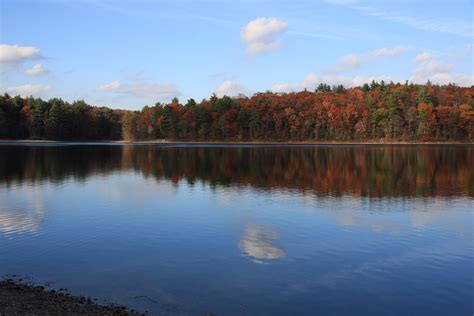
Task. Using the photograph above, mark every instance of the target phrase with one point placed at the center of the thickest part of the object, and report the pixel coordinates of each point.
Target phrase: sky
(127, 54)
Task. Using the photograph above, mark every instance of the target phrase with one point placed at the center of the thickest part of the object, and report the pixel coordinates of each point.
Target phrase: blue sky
(126, 54)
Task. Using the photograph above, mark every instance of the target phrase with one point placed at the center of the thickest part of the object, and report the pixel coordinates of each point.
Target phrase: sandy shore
(23, 299)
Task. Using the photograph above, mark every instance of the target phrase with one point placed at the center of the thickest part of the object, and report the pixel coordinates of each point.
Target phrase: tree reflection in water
(374, 171)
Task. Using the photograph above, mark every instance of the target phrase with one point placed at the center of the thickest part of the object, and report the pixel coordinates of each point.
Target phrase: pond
(244, 230)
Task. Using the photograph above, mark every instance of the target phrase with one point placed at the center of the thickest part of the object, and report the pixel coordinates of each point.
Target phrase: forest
(373, 111)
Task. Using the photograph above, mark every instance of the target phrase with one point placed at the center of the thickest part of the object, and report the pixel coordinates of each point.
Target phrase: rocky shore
(24, 299)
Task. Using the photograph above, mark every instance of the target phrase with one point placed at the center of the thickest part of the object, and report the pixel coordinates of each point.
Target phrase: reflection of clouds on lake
(22, 209)
(442, 212)
(422, 213)
(19, 221)
(258, 242)
(349, 217)
(349, 211)
(118, 188)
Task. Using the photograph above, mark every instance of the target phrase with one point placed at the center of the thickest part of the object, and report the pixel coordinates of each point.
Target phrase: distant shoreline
(233, 143)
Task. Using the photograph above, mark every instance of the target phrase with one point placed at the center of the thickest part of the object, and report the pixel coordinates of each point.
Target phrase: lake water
(244, 230)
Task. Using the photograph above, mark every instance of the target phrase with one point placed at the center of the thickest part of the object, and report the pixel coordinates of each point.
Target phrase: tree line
(372, 111)
(34, 118)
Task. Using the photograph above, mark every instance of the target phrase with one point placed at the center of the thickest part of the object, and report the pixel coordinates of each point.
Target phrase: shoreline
(230, 143)
(17, 298)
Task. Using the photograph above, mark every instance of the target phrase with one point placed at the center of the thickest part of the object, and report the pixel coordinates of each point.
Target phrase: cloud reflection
(19, 221)
(258, 242)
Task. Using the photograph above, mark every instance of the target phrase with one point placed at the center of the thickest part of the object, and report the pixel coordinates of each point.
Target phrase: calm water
(245, 230)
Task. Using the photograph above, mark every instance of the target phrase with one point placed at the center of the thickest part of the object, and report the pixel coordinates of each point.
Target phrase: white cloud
(459, 79)
(112, 86)
(262, 47)
(261, 29)
(353, 61)
(312, 81)
(261, 34)
(285, 87)
(154, 91)
(36, 70)
(29, 89)
(12, 54)
(427, 68)
(440, 68)
(389, 52)
(230, 88)
(423, 56)
(439, 73)
(345, 63)
(436, 72)
(432, 67)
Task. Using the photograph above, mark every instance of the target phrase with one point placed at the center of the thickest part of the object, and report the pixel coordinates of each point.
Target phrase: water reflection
(258, 242)
(377, 226)
(374, 171)
(19, 221)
